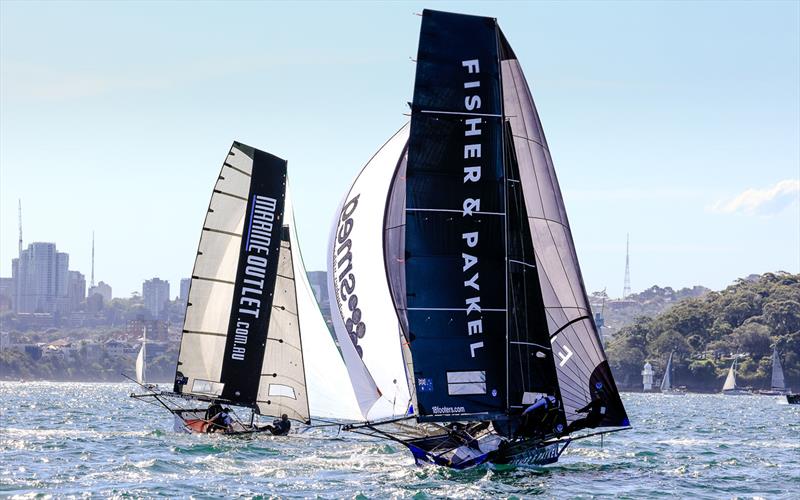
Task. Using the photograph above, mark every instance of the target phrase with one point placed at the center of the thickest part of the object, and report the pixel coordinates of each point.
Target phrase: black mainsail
(496, 329)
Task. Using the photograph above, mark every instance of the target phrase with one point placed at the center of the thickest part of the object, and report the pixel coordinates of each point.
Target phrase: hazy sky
(676, 122)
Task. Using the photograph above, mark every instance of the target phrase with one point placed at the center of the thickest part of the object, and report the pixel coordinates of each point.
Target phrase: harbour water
(70, 439)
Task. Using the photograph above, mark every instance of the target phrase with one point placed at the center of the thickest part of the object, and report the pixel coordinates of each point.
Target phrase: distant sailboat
(253, 336)
(730, 388)
(141, 362)
(778, 383)
(666, 382)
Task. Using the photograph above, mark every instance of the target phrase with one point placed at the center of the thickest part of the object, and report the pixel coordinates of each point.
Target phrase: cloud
(764, 202)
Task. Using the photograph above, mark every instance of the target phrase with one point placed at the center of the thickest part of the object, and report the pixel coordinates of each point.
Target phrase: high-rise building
(41, 276)
(103, 289)
(319, 285)
(77, 290)
(155, 293)
(184, 297)
(7, 294)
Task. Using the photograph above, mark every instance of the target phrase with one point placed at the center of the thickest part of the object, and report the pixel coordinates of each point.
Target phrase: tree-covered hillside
(751, 316)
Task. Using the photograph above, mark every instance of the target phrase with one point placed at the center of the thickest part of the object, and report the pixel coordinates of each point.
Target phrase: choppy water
(66, 439)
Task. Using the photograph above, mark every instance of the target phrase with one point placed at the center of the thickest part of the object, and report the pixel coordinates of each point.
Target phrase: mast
(19, 214)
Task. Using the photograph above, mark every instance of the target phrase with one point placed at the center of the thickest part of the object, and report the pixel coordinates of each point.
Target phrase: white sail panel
(211, 291)
(364, 316)
(730, 380)
(282, 388)
(330, 392)
(140, 366)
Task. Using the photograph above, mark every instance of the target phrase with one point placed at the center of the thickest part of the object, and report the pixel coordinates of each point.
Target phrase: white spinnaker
(205, 328)
(356, 268)
(330, 393)
(140, 366)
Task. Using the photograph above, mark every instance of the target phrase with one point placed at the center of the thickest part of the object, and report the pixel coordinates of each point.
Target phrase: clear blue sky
(676, 122)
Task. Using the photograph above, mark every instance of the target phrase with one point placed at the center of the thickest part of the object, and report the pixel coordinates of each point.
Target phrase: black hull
(793, 399)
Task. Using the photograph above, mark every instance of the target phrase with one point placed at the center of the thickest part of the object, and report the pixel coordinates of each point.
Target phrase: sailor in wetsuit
(280, 426)
(595, 410)
(538, 418)
(219, 419)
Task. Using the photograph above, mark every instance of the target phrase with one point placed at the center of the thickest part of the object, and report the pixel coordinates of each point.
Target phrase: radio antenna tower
(92, 285)
(626, 290)
(20, 228)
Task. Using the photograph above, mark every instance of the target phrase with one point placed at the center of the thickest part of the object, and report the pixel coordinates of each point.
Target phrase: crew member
(280, 426)
(595, 411)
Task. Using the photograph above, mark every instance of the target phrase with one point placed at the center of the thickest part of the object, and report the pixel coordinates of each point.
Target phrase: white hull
(737, 392)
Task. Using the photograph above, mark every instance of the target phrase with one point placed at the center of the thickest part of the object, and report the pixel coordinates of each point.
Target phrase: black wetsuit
(279, 427)
(596, 411)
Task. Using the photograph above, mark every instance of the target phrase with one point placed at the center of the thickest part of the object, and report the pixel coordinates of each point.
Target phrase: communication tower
(626, 290)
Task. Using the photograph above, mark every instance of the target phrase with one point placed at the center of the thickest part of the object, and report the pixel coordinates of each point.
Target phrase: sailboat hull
(736, 392)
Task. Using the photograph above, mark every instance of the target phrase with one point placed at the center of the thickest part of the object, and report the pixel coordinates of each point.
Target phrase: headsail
(583, 371)
(241, 338)
(778, 381)
(330, 393)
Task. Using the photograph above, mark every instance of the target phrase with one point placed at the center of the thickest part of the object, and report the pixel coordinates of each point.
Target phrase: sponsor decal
(259, 238)
(472, 177)
(345, 278)
(447, 410)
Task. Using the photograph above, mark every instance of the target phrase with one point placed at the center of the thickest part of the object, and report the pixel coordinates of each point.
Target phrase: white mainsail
(364, 315)
(730, 380)
(330, 393)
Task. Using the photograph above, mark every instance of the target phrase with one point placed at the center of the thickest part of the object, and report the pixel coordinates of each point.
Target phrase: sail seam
(460, 113)
(220, 231)
(450, 210)
(237, 169)
(231, 195)
(213, 279)
(449, 309)
(213, 334)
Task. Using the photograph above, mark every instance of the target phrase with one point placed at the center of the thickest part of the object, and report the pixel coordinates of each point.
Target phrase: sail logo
(345, 279)
(259, 237)
(472, 176)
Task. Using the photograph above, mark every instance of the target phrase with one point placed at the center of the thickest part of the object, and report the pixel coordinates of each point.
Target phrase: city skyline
(688, 143)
